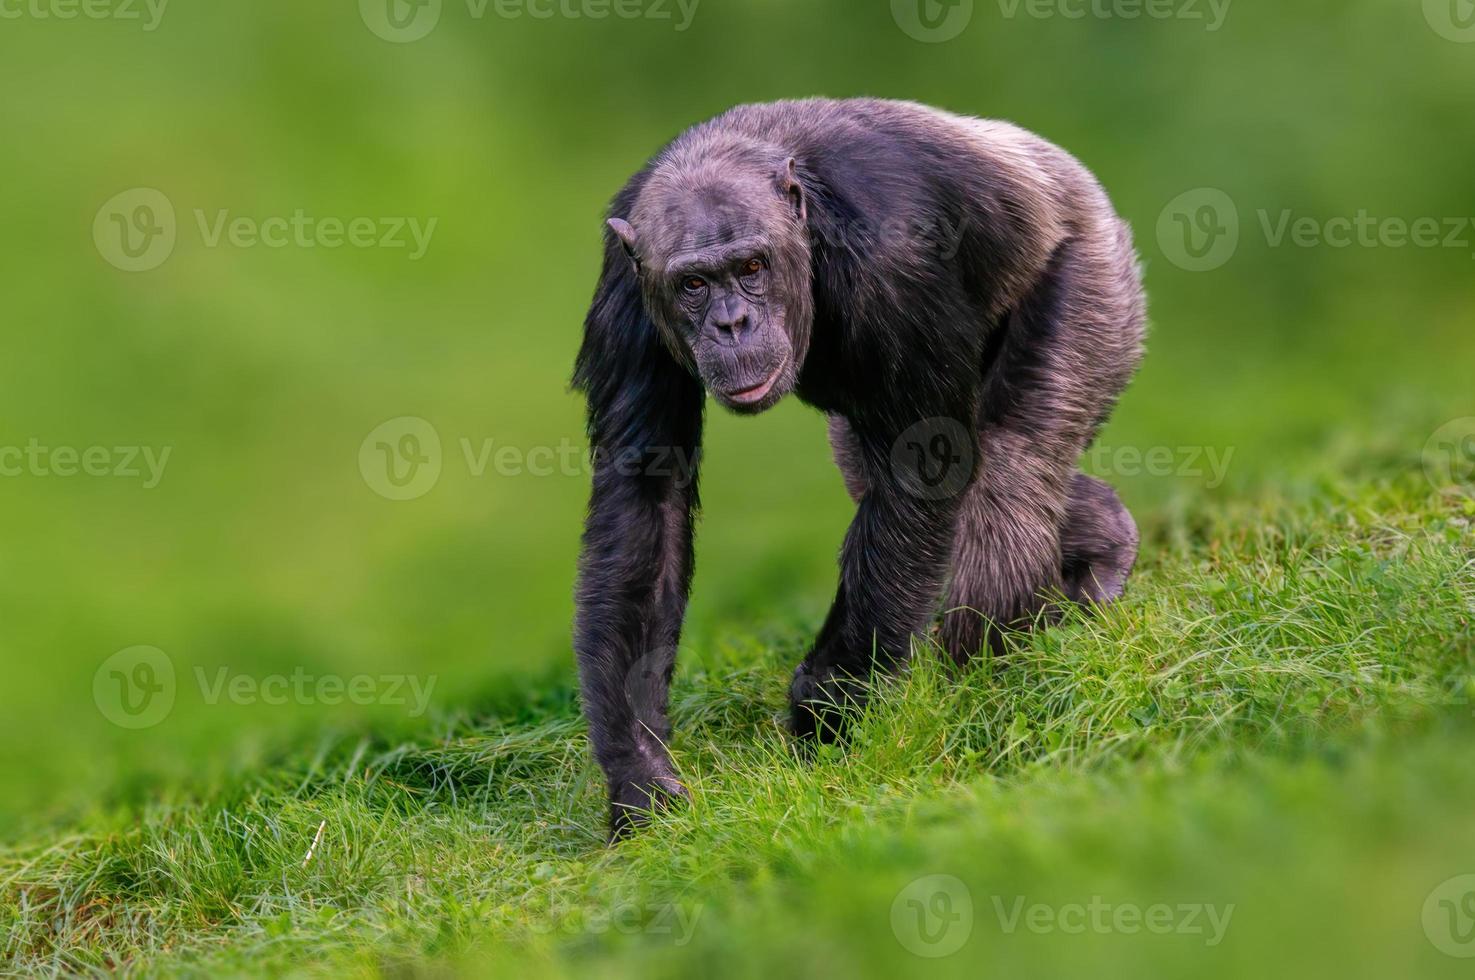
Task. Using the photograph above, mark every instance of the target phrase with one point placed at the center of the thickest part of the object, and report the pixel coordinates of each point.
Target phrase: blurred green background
(264, 549)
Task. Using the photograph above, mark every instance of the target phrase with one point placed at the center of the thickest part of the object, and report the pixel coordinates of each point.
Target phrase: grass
(1275, 719)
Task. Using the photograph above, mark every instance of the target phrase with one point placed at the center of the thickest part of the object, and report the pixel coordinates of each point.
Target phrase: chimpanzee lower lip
(747, 396)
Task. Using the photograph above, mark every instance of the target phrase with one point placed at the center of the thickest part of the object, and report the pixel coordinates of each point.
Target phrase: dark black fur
(945, 289)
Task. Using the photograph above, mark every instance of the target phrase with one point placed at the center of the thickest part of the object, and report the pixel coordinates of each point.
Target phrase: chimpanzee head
(720, 244)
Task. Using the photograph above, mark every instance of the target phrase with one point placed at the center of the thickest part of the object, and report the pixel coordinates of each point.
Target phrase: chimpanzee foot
(633, 798)
(822, 704)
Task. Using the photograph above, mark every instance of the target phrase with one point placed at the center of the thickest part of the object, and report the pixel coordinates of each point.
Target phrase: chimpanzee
(961, 300)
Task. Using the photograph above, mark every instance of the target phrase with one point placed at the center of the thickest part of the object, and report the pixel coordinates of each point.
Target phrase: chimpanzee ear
(788, 180)
(627, 237)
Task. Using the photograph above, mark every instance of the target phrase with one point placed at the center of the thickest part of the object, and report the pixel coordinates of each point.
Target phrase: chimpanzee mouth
(756, 393)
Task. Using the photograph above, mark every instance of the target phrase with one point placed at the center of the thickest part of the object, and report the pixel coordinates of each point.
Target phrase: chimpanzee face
(725, 273)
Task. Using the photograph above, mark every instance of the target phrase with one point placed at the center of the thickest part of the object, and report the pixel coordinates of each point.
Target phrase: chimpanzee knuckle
(805, 685)
(633, 799)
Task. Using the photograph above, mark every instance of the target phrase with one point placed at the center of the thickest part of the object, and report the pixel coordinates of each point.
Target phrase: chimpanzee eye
(753, 266)
(694, 284)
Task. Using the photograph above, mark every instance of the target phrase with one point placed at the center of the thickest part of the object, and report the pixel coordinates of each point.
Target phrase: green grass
(1275, 719)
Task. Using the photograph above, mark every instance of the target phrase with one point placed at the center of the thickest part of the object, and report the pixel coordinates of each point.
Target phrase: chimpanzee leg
(1032, 528)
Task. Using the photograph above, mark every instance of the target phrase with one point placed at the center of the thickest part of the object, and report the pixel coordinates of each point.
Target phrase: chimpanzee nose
(730, 321)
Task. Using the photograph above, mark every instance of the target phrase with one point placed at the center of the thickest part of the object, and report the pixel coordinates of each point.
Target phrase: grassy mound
(1283, 689)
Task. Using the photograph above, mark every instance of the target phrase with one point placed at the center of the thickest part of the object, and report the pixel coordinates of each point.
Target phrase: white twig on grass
(316, 839)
